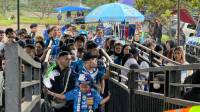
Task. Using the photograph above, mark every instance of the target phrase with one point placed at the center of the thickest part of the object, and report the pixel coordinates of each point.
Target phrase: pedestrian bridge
(23, 85)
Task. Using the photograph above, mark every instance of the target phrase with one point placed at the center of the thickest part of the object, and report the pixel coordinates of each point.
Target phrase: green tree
(162, 8)
(3, 5)
(193, 5)
(156, 6)
(95, 3)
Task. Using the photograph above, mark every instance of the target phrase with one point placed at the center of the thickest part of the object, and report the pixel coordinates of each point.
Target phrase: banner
(128, 2)
(189, 109)
(185, 16)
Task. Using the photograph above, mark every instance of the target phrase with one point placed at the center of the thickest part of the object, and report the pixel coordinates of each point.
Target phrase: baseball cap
(33, 25)
(88, 55)
(91, 45)
(63, 53)
(1, 31)
(82, 38)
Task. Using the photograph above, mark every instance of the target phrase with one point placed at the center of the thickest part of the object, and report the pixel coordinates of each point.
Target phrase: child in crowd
(85, 98)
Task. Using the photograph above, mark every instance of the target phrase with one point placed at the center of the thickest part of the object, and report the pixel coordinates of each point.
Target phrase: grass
(6, 22)
(27, 20)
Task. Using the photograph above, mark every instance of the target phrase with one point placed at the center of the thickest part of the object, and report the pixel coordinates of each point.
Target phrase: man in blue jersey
(98, 39)
(33, 32)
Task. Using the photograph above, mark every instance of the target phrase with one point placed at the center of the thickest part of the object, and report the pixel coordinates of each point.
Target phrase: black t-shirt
(59, 83)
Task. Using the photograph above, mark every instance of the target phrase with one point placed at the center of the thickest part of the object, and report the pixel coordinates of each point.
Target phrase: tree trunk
(4, 7)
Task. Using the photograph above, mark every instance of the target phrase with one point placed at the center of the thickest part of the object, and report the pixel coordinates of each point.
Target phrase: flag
(50, 74)
(185, 16)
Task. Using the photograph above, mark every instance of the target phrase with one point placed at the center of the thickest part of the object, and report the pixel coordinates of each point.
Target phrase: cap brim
(81, 38)
(91, 57)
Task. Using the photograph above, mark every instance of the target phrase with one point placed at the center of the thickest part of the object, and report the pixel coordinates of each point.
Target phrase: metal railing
(126, 97)
(22, 81)
(192, 53)
(151, 55)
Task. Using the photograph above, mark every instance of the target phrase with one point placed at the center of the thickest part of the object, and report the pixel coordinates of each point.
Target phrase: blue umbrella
(85, 7)
(114, 12)
(71, 8)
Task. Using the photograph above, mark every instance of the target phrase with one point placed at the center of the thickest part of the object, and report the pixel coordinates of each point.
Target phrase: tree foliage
(156, 6)
(193, 5)
(163, 8)
(95, 3)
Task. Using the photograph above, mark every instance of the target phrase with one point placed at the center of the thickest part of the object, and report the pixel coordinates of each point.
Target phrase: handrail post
(119, 73)
(12, 80)
(166, 85)
(19, 76)
(28, 77)
(174, 77)
(131, 86)
(36, 76)
(198, 55)
(151, 55)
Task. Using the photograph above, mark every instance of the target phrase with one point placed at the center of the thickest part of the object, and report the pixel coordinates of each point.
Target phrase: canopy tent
(72, 8)
(114, 12)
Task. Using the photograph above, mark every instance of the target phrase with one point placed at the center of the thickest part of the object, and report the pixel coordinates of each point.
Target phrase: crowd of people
(76, 79)
(77, 70)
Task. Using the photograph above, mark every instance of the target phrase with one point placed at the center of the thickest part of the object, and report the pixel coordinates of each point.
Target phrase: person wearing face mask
(58, 79)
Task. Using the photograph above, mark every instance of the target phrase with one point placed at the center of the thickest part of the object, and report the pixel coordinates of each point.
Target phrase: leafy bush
(165, 38)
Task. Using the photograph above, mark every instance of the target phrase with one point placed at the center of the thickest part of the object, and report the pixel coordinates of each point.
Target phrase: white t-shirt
(127, 64)
(143, 65)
